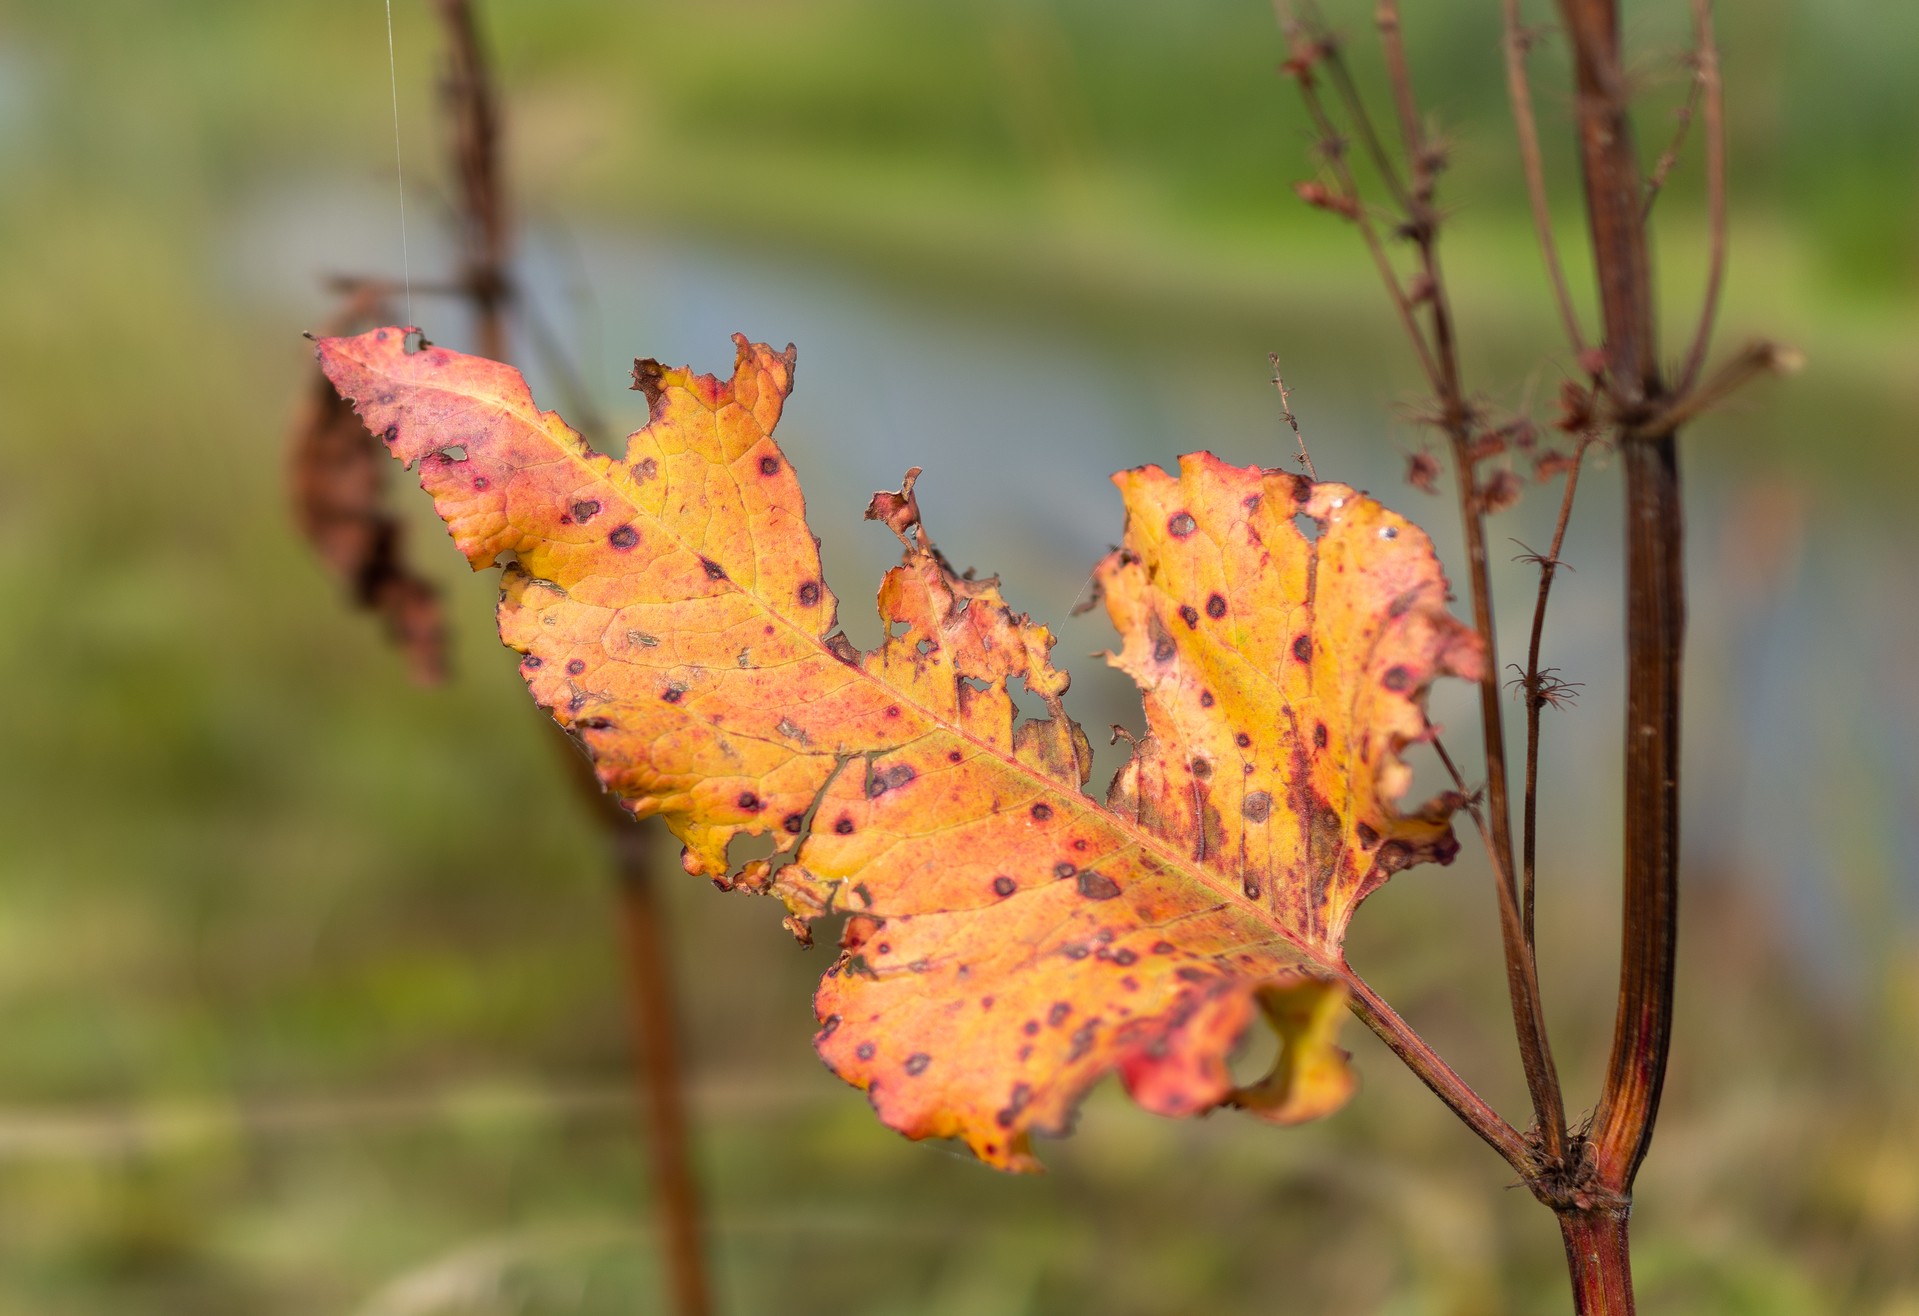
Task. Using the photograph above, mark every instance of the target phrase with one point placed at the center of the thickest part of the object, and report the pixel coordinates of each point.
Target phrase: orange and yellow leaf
(1008, 940)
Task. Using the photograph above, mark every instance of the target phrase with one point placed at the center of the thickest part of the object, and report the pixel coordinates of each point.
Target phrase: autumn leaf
(1009, 940)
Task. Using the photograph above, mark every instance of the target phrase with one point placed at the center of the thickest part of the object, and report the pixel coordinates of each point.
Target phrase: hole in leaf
(1253, 1058)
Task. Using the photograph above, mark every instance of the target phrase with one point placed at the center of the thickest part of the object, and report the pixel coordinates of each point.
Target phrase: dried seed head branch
(1682, 126)
(1519, 42)
(1332, 55)
(1713, 95)
(1440, 358)
(1313, 46)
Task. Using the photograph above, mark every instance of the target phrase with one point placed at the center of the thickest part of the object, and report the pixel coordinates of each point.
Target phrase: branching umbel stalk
(1627, 402)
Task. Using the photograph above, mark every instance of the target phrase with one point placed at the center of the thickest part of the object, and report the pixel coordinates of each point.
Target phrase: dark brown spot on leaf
(1257, 806)
(714, 571)
(1242, 740)
(1163, 649)
(750, 802)
(866, 1051)
(1319, 734)
(844, 826)
(1182, 524)
(1368, 838)
(889, 778)
(1302, 648)
(1041, 812)
(575, 666)
(532, 660)
(1004, 885)
(1063, 870)
(810, 594)
(829, 1027)
(1397, 679)
(792, 823)
(623, 537)
(585, 510)
(917, 1062)
(769, 466)
(1189, 614)
(1205, 698)
(1097, 886)
(1215, 606)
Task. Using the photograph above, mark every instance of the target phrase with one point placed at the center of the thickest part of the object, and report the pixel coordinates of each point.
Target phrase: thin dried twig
(1754, 361)
(1682, 127)
(1519, 43)
(1286, 405)
(1540, 691)
(1715, 105)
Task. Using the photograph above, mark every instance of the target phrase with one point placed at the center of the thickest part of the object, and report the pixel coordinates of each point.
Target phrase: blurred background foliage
(309, 991)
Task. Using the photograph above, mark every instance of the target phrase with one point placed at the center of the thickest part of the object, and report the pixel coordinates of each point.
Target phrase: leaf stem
(1436, 1074)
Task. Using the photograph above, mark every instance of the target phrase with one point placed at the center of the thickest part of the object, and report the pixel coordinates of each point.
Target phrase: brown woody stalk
(1655, 597)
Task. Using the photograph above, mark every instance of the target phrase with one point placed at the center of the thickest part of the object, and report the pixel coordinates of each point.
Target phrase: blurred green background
(309, 987)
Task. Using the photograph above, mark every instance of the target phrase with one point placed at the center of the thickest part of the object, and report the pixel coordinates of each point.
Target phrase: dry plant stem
(1436, 1074)
(1713, 94)
(657, 1070)
(1599, 1260)
(473, 119)
(1754, 360)
(1439, 361)
(1535, 701)
(1662, 168)
(656, 1047)
(1526, 123)
(1655, 607)
(1542, 1078)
